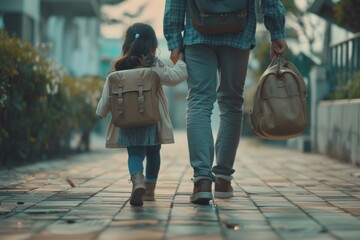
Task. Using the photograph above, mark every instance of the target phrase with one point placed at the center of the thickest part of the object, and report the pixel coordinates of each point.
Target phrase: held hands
(278, 47)
(176, 54)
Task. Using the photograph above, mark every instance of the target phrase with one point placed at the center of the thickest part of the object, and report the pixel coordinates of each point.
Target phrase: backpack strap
(141, 95)
(120, 98)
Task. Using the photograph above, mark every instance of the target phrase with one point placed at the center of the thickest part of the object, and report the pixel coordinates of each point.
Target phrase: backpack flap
(217, 17)
(133, 97)
(127, 79)
(224, 6)
(282, 106)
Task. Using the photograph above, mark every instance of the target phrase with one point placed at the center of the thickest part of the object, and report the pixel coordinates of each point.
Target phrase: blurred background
(56, 54)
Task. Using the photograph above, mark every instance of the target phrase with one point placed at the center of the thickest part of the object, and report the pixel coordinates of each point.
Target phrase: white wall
(339, 34)
(74, 44)
(28, 7)
(338, 129)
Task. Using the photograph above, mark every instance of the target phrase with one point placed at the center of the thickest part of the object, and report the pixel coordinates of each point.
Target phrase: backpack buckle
(204, 14)
(120, 105)
(141, 103)
(223, 18)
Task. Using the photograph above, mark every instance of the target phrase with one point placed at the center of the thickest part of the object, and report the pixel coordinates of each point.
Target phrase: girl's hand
(175, 54)
(181, 56)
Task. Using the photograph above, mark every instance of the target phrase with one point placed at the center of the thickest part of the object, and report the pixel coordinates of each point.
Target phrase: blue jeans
(137, 155)
(216, 73)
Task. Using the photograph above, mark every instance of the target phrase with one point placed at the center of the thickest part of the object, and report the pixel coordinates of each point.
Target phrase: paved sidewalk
(279, 194)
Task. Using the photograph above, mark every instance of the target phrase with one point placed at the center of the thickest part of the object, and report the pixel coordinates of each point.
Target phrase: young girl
(138, 51)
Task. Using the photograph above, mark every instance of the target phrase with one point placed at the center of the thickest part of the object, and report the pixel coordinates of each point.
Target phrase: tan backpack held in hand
(133, 100)
(279, 108)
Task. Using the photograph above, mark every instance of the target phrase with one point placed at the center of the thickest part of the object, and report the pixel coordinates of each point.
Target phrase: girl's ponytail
(138, 47)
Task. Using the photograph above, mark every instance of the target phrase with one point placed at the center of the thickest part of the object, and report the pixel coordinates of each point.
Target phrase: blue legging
(137, 155)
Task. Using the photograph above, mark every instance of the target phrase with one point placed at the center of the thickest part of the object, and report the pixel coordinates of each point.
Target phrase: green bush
(349, 91)
(354, 88)
(347, 14)
(27, 81)
(39, 107)
(84, 94)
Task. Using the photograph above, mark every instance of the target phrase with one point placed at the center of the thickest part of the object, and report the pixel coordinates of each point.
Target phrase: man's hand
(278, 47)
(174, 56)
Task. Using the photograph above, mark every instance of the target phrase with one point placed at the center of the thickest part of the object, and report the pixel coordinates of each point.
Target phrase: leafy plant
(39, 107)
(349, 91)
(84, 94)
(354, 87)
(27, 79)
(347, 14)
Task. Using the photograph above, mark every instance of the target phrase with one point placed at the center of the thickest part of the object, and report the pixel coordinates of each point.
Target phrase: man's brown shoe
(202, 192)
(223, 189)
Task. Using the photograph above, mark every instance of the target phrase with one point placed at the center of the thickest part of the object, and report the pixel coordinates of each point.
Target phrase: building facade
(69, 29)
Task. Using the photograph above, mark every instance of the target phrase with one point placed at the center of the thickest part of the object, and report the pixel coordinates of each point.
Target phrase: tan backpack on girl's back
(133, 100)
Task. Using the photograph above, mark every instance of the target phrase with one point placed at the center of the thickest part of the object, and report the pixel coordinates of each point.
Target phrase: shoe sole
(223, 194)
(201, 198)
(137, 197)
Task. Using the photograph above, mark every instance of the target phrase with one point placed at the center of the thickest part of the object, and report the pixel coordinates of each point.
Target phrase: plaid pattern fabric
(179, 32)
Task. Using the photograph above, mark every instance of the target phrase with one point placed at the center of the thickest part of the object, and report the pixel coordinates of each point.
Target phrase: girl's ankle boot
(138, 189)
(149, 191)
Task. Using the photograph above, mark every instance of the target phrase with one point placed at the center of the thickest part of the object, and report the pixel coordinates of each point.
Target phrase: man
(207, 57)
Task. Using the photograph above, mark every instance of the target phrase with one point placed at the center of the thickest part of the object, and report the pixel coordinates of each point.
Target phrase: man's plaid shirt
(179, 32)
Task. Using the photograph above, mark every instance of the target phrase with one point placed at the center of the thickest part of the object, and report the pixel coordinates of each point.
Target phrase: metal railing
(344, 62)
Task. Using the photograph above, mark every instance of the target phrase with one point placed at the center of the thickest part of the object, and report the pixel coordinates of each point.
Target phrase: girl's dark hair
(137, 50)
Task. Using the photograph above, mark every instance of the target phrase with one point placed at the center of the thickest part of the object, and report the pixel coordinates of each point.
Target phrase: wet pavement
(279, 194)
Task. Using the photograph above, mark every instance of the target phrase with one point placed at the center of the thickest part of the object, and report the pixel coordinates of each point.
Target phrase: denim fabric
(205, 63)
(137, 155)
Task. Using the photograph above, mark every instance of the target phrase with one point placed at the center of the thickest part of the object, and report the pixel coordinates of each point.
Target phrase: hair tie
(137, 35)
